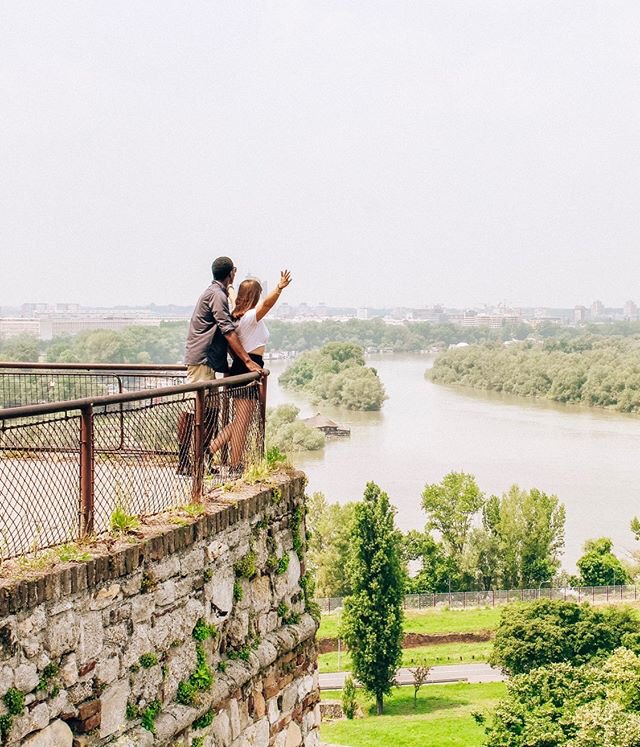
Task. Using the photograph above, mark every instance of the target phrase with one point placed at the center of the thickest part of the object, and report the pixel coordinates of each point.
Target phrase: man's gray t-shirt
(210, 322)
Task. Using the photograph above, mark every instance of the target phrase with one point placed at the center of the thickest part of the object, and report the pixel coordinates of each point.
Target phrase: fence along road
(495, 598)
(65, 465)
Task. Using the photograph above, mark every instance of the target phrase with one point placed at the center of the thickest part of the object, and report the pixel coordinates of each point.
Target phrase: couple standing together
(216, 329)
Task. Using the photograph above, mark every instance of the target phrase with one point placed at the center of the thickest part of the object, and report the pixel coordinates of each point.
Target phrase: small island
(336, 374)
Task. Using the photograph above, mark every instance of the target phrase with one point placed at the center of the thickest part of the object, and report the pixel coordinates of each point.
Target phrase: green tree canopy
(599, 566)
(331, 526)
(591, 705)
(372, 618)
(546, 632)
(290, 435)
(336, 374)
(450, 506)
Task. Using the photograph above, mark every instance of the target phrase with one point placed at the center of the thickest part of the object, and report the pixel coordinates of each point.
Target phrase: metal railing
(497, 597)
(67, 467)
(32, 383)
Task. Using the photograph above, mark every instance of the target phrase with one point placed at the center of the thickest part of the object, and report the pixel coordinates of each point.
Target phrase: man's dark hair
(221, 267)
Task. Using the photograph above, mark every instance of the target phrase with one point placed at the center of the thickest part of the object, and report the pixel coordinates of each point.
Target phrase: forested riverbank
(587, 370)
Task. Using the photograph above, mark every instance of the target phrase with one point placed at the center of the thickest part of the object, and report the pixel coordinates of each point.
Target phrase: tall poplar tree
(372, 618)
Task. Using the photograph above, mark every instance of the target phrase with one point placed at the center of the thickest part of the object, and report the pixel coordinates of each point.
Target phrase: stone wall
(193, 631)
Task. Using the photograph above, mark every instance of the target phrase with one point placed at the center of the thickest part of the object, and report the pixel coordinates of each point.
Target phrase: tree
(19, 348)
(372, 618)
(420, 674)
(545, 632)
(288, 434)
(436, 570)
(530, 527)
(450, 506)
(591, 705)
(599, 566)
(330, 525)
(336, 374)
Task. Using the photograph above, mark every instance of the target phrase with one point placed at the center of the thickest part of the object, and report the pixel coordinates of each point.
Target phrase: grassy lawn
(442, 653)
(430, 621)
(442, 718)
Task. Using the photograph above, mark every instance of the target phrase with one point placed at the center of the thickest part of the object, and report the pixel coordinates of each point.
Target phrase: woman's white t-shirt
(253, 334)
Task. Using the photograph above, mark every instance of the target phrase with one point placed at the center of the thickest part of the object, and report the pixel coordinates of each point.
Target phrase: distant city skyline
(389, 152)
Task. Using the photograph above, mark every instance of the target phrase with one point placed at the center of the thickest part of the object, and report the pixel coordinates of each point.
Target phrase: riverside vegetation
(336, 374)
(597, 371)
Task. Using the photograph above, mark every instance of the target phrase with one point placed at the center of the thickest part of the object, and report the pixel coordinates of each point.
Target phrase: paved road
(446, 673)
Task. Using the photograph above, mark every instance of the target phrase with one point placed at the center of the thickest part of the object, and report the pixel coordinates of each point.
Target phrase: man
(212, 332)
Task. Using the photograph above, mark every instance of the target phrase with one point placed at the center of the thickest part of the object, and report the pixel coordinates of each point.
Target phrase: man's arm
(234, 343)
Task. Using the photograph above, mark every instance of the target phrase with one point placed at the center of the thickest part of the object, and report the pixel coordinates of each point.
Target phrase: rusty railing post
(198, 447)
(87, 507)
(121, 413)
(263, 410)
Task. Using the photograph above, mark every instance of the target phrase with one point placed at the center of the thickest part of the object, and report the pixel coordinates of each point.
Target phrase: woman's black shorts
(237, 368)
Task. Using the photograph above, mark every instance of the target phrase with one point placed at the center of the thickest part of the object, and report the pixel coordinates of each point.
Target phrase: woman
(253, 334)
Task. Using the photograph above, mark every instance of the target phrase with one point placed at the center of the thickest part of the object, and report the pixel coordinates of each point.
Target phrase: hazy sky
(386, 152)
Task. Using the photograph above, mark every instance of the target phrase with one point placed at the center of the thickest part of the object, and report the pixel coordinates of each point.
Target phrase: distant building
(597, 310)
(630, 311)
(16, 327)
(580, 314)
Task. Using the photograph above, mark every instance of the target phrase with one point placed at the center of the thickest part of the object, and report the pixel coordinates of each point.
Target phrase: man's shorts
(200, 373)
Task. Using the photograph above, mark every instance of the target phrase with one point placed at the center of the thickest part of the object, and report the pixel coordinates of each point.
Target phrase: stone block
(57, 734)
(234, 718)
(69, 670)
(259, 704)
(142, 608)
(91, 637)
(273, 712)
(105, 596)
(293, 735)
(31, 646)
(257, 735)
(165, 593)
(260, 591)
(62, 634)
(219, 591)
(222, 729)
(60, 704)
(305, 686)
(238, 629)
(108, 668)
(114, 706)
(192, 562)
(39, 717)
(26, 677)
(289, 698)
(167, 568)
(6, 679)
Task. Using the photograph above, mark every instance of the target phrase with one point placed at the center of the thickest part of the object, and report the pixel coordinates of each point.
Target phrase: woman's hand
(285, 279)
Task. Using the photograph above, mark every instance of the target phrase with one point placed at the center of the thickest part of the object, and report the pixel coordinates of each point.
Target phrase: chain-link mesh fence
(497, 597)
(21, 385)
(96, 462)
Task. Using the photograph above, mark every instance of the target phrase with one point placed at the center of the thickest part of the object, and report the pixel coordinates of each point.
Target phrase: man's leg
(186, 419)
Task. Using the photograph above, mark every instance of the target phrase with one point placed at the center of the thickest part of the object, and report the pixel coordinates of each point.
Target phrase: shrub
(349, 702)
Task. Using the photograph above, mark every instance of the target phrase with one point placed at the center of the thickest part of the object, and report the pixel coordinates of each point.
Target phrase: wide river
(587, 457)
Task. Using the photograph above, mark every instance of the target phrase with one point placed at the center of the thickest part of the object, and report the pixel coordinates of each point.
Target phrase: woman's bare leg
(243, 414)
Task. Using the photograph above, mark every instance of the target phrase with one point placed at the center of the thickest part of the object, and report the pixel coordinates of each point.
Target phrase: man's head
(223, 268)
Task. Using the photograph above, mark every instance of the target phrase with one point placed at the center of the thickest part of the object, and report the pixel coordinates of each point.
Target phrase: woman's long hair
(248, 296)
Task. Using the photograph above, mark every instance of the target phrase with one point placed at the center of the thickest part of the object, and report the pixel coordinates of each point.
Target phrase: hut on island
(326, 425)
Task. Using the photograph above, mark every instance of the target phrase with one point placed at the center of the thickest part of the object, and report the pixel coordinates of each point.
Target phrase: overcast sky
(387, 152)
